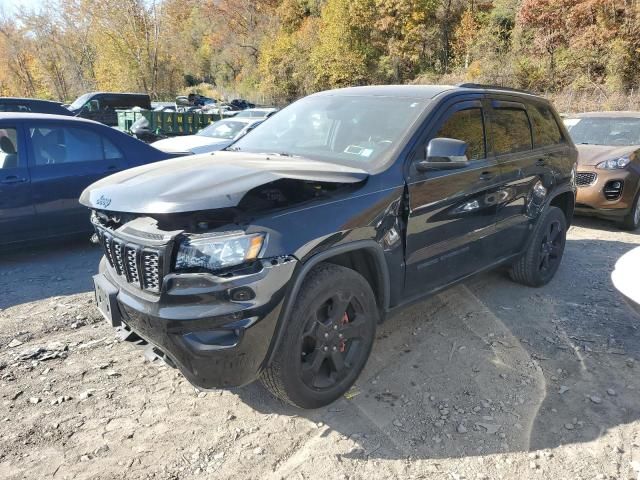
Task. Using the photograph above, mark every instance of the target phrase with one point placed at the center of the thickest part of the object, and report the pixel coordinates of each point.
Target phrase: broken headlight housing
(218, 251)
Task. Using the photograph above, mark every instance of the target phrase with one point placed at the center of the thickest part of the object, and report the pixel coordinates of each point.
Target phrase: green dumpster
(167, 123)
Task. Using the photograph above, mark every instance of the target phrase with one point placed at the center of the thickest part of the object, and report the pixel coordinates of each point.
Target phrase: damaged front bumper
(216, 330)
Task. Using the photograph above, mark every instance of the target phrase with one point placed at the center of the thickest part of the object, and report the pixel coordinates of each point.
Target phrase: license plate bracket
(106, 300)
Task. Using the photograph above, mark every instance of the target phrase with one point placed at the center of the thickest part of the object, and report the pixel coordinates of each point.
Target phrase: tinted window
(468, 126)
(545, 129)
(111, 152)
(511, 131)
(14, 107)
(53, 145)
(8, 148)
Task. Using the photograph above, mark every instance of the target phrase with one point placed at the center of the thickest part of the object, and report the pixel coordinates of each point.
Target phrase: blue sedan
(46, 161)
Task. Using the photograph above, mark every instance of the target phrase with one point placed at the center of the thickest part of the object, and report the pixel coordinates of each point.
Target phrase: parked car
(277, 260)
(625, 278)
(102, 106)
(46, 161)
(256, 113)
(240, 104)
(608, 176)
(217, 136)
(12, 104)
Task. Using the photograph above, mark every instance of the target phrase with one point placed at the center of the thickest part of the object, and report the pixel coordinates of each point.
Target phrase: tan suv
(608, 176)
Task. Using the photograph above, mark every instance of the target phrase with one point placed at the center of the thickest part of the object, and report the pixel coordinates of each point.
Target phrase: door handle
(486, 176)
(12, 179)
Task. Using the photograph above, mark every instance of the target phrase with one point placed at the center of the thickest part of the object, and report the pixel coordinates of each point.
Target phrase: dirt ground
(489, 380)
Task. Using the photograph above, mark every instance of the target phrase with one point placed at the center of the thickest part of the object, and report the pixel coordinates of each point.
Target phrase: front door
(17, 214)
(452, 212)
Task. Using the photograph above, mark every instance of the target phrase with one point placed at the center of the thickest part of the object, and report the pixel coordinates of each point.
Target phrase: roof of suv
(29, 100)
(421, 91)
(43, 116)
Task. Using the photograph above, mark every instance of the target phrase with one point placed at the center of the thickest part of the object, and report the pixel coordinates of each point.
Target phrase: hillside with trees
(279, 50)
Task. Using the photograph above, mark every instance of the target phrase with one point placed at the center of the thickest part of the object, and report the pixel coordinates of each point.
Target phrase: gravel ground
(489, 380)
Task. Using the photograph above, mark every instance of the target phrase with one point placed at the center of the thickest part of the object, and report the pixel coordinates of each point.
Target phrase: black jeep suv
(276, 259)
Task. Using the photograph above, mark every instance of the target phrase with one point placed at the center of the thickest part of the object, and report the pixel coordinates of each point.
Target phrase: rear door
(17, 214)
(526, 150)
(66, 157)
(452, 212)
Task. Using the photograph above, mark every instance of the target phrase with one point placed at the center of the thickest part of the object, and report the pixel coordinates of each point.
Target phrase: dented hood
(205, 182)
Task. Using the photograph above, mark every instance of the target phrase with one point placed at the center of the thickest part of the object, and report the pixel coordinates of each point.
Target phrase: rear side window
(468, 126)
(54, 145)
(511, 131)
(545, 128)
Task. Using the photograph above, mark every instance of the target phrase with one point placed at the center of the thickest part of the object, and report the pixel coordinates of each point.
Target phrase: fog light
(242, 294)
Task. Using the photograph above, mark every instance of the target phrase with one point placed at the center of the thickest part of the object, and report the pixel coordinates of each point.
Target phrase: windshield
(226, 129)
(80, 101)
(622, 131)
(354, 130)
(247, 114)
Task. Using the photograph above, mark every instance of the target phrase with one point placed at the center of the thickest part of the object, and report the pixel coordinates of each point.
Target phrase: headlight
(614, 163)
(218, 251)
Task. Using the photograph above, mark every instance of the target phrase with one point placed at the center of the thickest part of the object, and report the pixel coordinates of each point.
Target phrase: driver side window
(468, 126)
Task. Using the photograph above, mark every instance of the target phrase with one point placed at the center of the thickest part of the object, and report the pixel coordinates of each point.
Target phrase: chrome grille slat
(584, 179)
(131, 264)
(107, 243)
(117, 256)
(150, 270)
(137, 264)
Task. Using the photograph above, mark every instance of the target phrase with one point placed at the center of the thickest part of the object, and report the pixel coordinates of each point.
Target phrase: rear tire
(327, 340)
(632, 221)
(542, 258)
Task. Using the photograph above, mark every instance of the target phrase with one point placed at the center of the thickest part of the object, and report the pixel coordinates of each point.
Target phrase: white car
(256, 113)
(625, 278)
(215, 137)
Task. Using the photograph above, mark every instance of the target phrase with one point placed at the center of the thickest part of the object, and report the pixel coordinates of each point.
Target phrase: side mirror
(444, 154)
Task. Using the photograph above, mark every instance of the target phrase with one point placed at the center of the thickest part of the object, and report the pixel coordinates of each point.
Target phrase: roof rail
(493, 87)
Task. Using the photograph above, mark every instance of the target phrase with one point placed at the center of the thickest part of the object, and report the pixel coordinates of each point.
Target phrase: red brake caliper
(344, 321)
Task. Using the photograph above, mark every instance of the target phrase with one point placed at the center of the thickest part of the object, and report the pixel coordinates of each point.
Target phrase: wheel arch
(365, 257)
(566, 201)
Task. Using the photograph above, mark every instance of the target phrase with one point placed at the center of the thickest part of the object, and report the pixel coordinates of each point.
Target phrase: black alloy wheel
(327, 340)
(332, 341)
(551, 247)
(541, 260)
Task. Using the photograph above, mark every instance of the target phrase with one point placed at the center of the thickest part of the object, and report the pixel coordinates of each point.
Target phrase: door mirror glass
(445, 154)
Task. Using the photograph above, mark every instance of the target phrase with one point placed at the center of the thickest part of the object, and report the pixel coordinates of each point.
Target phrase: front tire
(542, 258)
(328, 338)
(632, 221)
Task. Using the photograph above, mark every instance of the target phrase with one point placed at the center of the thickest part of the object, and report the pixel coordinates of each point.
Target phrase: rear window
(545, 128)
(511, 131)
